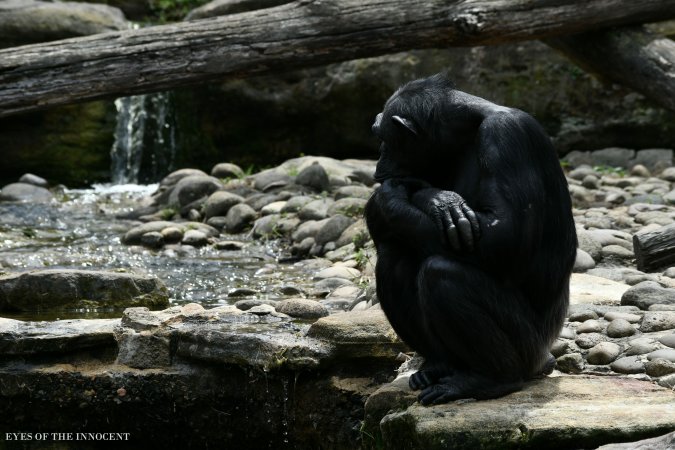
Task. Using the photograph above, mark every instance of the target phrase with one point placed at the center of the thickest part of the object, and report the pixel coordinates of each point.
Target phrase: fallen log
(631, 56)
(655, 250)
(298, 34)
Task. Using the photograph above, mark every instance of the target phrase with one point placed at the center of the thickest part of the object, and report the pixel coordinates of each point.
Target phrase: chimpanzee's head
(422, 122)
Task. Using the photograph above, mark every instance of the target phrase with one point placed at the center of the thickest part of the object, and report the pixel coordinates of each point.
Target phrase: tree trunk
(298, 34)
(655, 249)
(631, 56)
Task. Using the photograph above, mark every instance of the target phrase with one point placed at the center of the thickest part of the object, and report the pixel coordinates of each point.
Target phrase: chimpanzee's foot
(466, 385)
(428, 374)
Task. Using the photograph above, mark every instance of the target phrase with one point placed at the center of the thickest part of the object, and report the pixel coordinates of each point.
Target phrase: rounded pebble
(582, 316)
(668, 340)
(665, 353)
(588, 340)
(603, 353)
(618, 328)
(632, 318)
(302, 308)
(571, 363)
(628, 365)
(590, 326)
(659, 367)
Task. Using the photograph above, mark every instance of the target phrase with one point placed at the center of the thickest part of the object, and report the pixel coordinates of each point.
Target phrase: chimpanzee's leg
(483, 331)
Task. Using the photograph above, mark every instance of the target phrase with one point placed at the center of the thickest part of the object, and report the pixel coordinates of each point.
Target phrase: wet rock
(35, 180)
(628, 365)
(56, 289)
(603, 353)
(666, 353)
(195, 238)
(142, 350)
(247, 304)
(239, 217)
(220, 202)
(301, 308)
(658, 321)
(619, 328)
(274, 226)
(227, 170)
(58, 337)
(570, 363)
(153, 239)
(313, 176)
(24, 192)
(659, 367)
(133, 236)
(230, 245)
(668, 382)
(241, 292)
(648, 293)
(193, 187)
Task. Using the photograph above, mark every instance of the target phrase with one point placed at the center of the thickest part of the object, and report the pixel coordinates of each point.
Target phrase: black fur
(475, 239)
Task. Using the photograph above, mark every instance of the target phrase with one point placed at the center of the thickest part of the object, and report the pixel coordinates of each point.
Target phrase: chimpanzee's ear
(407, 123)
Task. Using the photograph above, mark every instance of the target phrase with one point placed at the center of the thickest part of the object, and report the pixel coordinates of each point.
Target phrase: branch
(298, 34)
(631, 56)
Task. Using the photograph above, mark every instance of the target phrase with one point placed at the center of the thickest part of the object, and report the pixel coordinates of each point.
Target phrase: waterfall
(145, 144)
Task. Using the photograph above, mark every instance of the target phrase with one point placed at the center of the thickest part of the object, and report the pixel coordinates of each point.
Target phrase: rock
(354, 191)
(294, 204)
(172, 234)
(628, 365)
(665, 442)
(225, 7)
(24, 192)
(194, 216)
(271, 179)
(648, 293)
(655, 159)
(613, 315)
(142, 350)
(583, 261)
(313, 176)
(56, 289)
(588, 340)
(583, 316)
(332, 229)
(274, 226)
(195, 238)
(133, 236)
(239, 217)
(590, 326)
(668, 340)
(561, 420)
(259, 201)
(666, 353)
(603, 353)
(27, 21)
(337, 272)
(272, 208)
(153, 239)
(619, 328)
(220, 202)
(193, 187)
(356, 233)
(667, 381)
(241, 292)
(302, 308)
(349, 206)
(308, 229)
(641, 346)
(247, 304)
(586, 289)
(659, 367)
(568, 333)
(227, 170)
(570, 363)
(316, 209)
(58, 337)
(640, 171)
(560, 347)
(658, 321)
(230, 245)
(35, 180)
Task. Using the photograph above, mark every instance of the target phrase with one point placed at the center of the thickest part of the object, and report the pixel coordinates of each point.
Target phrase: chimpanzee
(475, 239)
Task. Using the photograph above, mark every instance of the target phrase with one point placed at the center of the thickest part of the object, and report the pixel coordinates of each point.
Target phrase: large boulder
(56, 289)
(25, 192)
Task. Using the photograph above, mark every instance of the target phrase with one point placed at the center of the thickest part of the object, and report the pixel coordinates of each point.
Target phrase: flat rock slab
(62, 336)
(554, 412)
(586, 289)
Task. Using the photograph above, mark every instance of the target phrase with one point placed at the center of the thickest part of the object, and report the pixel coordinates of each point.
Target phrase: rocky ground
(615, 366)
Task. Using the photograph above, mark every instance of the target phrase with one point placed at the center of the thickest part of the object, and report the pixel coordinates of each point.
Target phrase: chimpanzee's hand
(453, 217)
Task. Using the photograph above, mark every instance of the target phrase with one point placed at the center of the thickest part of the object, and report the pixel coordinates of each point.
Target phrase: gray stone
(356, 233)
(225, 7)
(303, 247)
(272, 208)
(668, 382)
(294, 204)
(247, 304)
(668, 340)
(560, 347)
(241, 292)
(603, 353)
(619, 328)
(613, 157)
(230, 245)
(588, 340)
(628, 365)
(153, 239)
(639, 170)
(56, 289)
(332, 229)
(659, 367)
(271, 179)
(590, 326)
(660, 307)
(655, 159)
(641, 346)
(172, 234)
(338, 272)
(34, 180)
(648, 293)
(227, 170)
(302, 308)
(349, 206)
(316, 209)
(220, 202)
(133, 236)
(239, 217)
(193, 187)
(658, 321)
(583, 316)
(274, 226)
(194, 216)
(616, 251)
(196, 238)
(665, 353)
(583, 261)
(581, 172)
(353, 191)
(570, 363)
(568, 333)
(313, 176)
(24, 192)
(632, 318)
(259, 201)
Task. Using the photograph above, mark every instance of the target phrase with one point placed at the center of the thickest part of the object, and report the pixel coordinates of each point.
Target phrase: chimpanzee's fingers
(451, 230)
(457, 225)
(475, 227)
(464, 227)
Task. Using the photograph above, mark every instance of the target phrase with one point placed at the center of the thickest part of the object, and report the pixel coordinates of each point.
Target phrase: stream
(80, 231)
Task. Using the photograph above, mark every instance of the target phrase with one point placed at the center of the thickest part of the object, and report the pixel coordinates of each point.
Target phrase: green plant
(167, 213)
(609, 170)
(174, 10)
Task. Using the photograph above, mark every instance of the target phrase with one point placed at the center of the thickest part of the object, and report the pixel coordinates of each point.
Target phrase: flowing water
(80, 231)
